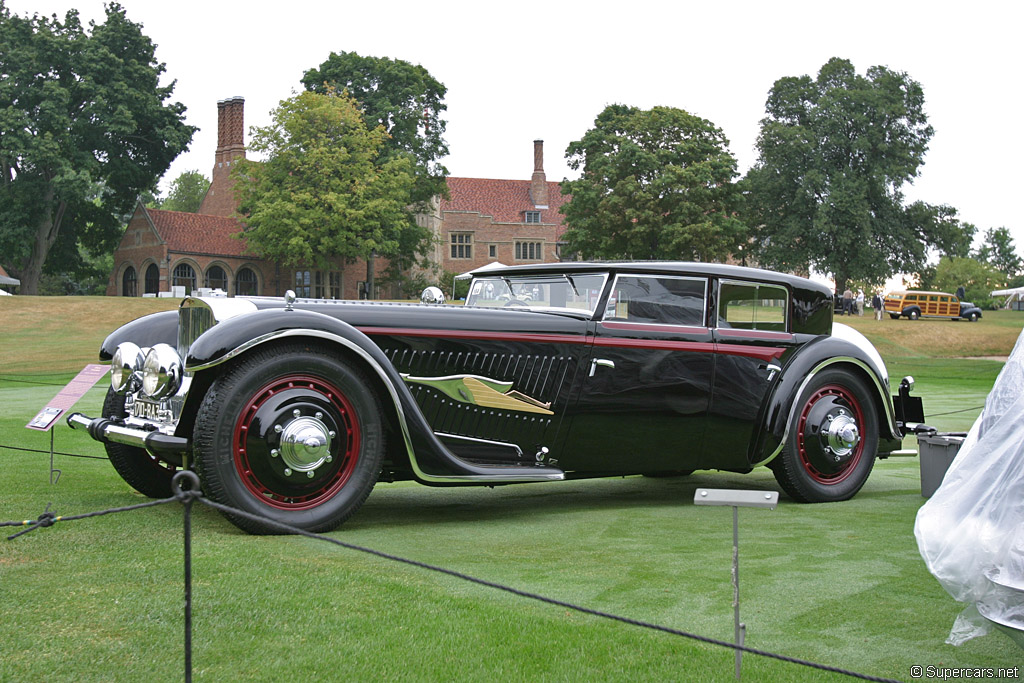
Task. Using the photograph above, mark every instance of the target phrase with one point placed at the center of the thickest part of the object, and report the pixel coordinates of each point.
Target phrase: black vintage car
(295, 409)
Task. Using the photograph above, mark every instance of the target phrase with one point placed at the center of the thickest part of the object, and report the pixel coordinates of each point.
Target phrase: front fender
(149, 330)
(429, 459)
(845, 350)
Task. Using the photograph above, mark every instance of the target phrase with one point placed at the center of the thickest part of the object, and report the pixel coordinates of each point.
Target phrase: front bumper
(108, 431)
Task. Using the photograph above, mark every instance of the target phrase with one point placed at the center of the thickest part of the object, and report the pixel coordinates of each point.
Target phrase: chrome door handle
(603, 362)
(772, 369)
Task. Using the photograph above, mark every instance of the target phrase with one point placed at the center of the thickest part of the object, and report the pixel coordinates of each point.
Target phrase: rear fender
(815, 356)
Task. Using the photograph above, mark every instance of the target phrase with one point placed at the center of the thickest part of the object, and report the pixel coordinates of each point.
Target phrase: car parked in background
(295, 409)
(921, 304)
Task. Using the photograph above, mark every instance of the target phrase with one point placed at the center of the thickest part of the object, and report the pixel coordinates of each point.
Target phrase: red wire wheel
(831, 441)
(826, 457)
(257, 447)
(290, 434)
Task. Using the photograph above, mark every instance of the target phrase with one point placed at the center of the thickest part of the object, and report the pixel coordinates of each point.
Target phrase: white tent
(1015, 294)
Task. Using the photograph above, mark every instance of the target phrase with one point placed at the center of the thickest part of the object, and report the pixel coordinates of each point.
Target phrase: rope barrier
(187, 496)
(37, 450)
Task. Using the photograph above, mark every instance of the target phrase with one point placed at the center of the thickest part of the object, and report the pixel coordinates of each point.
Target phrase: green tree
(655, 184)
(977, 278)
(324, 190)
(825, 192)
(186, 192)
(998, 251)
(402, 98)
(408, 103)
(84, 130)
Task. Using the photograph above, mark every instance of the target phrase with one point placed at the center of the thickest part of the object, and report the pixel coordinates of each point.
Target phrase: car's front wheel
(913, 315)
(143, 472)
(973, 317)
(293, 433)
(832, 440)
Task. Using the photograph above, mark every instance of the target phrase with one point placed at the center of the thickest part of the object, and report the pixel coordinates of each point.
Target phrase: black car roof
(721, 270)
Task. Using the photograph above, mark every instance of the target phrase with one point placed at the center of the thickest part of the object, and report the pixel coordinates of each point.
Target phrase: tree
(186, 192)
(324, 190)
(84, 130)
(825, 192)
(402, 98)
(408, 103)
(655, 184)
(979, 279)
(998, 251)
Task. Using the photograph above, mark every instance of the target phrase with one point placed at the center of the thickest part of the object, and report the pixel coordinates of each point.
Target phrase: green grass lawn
(841, 584)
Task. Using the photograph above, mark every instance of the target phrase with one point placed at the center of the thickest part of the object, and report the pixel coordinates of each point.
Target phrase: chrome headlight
(161, 372)
(127, 361)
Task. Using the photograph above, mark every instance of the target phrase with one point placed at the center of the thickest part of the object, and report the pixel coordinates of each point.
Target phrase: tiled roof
(504, 200)
(198, 233)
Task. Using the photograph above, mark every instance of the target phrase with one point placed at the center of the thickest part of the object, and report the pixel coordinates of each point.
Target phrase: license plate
(145, 409)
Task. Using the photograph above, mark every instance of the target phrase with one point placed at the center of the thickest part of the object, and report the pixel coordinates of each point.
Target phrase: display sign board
(67, 397)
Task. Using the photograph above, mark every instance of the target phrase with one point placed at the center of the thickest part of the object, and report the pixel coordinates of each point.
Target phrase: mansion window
(216, 278)
(246, 283)
(529, 251)
(152, 279)
(318, 284)
(184, 276)
(129, 282)
(462, 244)
(532, 217)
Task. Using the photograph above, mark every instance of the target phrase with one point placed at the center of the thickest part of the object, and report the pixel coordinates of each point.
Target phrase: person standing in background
(860, 302)
(877, 304)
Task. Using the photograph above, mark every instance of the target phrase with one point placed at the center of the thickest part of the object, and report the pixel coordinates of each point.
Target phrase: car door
(751, 335)
(644, 390)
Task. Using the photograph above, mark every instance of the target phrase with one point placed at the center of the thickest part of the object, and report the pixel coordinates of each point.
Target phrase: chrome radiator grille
(193, 320)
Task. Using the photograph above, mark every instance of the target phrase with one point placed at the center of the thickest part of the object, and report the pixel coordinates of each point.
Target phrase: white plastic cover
(971, 531)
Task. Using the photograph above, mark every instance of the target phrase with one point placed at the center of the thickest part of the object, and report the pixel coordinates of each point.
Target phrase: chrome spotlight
(161, 372)
(432, 295)
(126, 367)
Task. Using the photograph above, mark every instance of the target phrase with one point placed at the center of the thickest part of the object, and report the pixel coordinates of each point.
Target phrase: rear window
(753, 306)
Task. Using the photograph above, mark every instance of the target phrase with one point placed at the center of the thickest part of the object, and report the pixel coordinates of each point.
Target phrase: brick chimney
(220, 198)
(539, 182)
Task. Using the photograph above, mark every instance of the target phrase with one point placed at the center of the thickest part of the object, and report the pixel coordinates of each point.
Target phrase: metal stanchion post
(736, 500)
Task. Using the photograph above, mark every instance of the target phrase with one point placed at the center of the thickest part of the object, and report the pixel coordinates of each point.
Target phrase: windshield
(555, 293)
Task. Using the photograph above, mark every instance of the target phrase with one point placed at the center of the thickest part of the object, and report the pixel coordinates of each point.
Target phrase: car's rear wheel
(832, 441)
(292, 433)
(894, 316)
(146, 474)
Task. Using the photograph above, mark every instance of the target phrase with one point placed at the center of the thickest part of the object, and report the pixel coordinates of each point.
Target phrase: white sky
(525, 70)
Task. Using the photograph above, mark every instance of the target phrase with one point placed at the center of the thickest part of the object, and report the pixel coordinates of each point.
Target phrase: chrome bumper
(108, 431)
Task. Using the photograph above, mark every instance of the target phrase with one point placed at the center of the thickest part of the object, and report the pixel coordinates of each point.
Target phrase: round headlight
(127, 361)
(161, 372)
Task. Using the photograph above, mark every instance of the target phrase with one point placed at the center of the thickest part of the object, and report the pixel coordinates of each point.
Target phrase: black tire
(894, 316)
(291, 432)
(146, 474)
(817, 465)
(914, 315)
(973, 317)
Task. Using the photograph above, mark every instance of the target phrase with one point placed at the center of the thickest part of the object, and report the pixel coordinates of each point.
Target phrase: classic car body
(920, 304)
(295, 409)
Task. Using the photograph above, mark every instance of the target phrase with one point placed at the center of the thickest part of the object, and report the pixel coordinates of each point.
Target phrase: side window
(657, 300)
(752, 306)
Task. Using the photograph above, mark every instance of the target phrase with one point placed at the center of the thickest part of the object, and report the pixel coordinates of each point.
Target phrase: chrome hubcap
(305, 444)
(842, 434)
